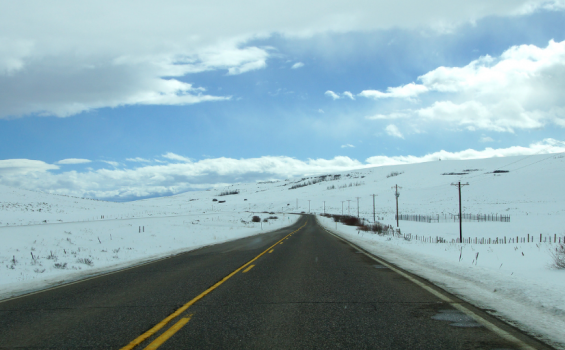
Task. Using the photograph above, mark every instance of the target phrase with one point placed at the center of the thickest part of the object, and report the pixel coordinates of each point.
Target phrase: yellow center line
(168, 333)
(183, 308)
(270, 251)
(249, 268)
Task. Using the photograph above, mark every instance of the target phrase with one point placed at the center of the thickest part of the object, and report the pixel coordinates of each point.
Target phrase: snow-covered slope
(516, 279)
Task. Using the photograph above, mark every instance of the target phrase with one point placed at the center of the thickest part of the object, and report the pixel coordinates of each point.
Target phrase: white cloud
(396, 115)
(104, 53)
(297, 65)
(111, 162)
(535, 6)
(172, 156)
(547, 146)
(19, 167)
(347, 146)
(407, 91)
(392, 130)
(337, 96)
(521, 89)
(74, 161)
(138, 160)
(486, 139)
(332, 94)
(349, 94)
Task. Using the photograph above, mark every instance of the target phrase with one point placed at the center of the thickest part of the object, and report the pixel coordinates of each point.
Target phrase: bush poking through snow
(255, 218)
(395, 173)
(60, 266)
(85, 261)
(350, 220)
(227, 193)
(559, 256)
(375, 228)
(52, 256)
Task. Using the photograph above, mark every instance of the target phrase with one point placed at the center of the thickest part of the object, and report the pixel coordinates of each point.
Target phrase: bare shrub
(85, 261)
(227, 193)
(255, 218)
(351, 220)
(377, 227)
(394, 173)
(52, 256)
(559, 256)
(60, 266)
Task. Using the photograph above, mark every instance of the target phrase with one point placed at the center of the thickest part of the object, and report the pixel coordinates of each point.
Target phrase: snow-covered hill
(47, 239)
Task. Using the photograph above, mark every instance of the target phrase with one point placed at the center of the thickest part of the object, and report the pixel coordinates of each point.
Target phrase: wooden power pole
(459, 184)
(374, 208)
(396, 194)
(358, 206)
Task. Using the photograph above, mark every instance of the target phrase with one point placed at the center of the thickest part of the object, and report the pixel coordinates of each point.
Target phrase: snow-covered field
(515, 280)
(50, 239)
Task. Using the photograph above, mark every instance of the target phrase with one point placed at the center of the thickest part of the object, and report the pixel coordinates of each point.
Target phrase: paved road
(296, 288)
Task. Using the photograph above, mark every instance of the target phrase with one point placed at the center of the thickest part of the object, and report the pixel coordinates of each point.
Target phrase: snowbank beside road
(513, 281)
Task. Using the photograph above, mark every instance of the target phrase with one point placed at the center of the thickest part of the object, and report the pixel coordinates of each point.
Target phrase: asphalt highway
(299, 287)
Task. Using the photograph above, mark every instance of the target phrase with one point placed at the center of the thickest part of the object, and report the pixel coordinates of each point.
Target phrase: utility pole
(296, 203)
(357, 206)
(396, 194)
(308, 206)
(374, 207)
(342, 207)
(349, 207)
(459, 184)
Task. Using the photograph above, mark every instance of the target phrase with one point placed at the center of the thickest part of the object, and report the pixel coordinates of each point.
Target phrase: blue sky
(134, 105)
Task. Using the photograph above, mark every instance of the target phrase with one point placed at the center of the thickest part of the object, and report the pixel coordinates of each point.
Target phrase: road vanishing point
(300, 287)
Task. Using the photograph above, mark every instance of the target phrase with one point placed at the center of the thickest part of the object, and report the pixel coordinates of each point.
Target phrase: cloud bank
(178, 173)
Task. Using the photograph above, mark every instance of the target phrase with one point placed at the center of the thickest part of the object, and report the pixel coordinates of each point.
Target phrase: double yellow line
(166, 335)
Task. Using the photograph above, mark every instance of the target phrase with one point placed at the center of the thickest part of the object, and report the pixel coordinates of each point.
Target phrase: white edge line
(502, 333)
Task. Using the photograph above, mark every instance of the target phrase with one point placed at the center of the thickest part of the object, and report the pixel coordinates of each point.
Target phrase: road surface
(296, 288)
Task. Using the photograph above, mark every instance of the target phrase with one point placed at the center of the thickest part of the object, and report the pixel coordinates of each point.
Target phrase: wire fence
(454, 218)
